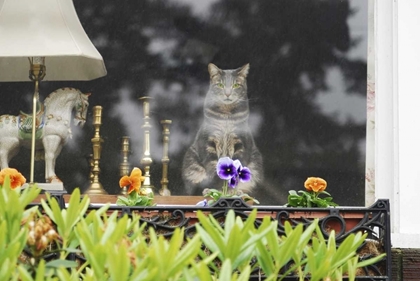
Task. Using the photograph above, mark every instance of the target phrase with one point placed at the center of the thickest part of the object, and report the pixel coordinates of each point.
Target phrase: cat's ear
(213, 70)
(243, 71)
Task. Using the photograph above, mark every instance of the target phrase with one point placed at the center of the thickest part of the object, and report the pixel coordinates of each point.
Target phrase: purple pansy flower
(232, 172)
(203, 203)
(237, 164)
(226, 168)
(233, 182)
(244, 174)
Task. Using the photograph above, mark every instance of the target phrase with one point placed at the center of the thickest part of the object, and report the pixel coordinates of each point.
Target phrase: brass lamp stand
(95, 186)
(36, 73)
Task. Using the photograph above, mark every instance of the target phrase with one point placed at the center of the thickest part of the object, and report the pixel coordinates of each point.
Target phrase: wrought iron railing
(373, 220)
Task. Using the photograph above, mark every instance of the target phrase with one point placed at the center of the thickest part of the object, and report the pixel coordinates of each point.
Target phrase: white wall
(397, 114)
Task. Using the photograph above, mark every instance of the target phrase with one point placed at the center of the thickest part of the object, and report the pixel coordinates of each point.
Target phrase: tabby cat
(224, 132)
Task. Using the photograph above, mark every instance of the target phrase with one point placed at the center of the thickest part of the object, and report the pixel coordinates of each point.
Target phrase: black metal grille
(374, 220)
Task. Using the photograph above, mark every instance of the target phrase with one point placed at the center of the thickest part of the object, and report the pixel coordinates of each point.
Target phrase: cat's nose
(228, 93)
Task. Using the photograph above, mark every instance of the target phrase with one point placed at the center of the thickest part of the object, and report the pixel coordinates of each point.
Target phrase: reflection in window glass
(306, 89)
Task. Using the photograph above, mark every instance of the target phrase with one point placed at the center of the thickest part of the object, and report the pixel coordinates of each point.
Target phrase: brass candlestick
(95, 186)
(164, 191)
(91, 165)
(124, 166)
(146, 160)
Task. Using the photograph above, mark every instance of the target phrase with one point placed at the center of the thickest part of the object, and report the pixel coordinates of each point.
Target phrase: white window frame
(397, 117)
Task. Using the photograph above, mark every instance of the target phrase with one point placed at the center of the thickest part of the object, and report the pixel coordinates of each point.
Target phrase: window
(306, 88)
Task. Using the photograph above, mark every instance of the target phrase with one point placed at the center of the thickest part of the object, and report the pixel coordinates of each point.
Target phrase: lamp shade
(50, 29)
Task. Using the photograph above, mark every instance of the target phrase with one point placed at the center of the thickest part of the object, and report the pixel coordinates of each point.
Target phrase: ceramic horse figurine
(53, 128)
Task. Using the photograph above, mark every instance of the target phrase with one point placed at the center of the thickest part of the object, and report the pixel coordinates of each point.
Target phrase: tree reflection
(161, 49)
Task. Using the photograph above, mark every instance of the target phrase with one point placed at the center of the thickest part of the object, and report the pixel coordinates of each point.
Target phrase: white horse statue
(53, 128)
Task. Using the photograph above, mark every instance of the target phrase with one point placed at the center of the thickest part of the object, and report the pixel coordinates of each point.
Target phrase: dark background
(162, 49)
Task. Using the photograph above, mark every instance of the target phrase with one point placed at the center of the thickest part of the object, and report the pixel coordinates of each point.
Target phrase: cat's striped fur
(224, 132)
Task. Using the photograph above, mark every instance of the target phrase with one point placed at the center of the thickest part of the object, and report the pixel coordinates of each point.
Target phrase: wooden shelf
(159, 200)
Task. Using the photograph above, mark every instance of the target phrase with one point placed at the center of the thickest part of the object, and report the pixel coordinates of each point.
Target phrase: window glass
(306, 89)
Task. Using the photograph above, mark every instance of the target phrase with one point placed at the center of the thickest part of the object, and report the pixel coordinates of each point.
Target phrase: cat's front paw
(196, 174)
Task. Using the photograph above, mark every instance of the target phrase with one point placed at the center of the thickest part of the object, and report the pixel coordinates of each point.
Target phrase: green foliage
(309, 199)
(236, 241)
(102, 245)
(135, 199)
(67, 218)
(216, 194)
(12, 215)
(325, 259)
(120, 248)
(176, 257)
(275, 252)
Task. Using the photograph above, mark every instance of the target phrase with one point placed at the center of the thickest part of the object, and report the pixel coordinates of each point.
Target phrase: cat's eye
(220, 85)
(236, 85)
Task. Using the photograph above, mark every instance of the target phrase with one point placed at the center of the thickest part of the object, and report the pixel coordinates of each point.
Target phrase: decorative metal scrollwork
(374, 220)
(230, 202)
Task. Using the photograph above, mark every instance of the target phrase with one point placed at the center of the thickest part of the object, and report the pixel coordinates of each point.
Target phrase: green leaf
(122, 201)
(28, 195)
(290, 248)
(211, 235)
(199, 271)
(119, 263)
(324, 192)
(371, 261)
(185, 256)
(40, 271)
(76, 208)
(293, 192)
(348, 248)
(52, 209)
(245, 274)
(233, 246)
(226, 270)
(73, 250)
(265, 259)
(6, 269)
(24, 275)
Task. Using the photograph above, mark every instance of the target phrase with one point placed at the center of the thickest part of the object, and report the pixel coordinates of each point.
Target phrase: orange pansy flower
(133, 181)
(16, 178)
(315, 184)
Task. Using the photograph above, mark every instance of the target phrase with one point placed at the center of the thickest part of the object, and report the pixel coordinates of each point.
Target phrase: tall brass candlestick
(95, 186)
(164, 191)
(125, 166)
(146, 160)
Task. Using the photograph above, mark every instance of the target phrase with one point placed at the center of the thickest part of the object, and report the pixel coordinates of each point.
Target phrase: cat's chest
(224, 125)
